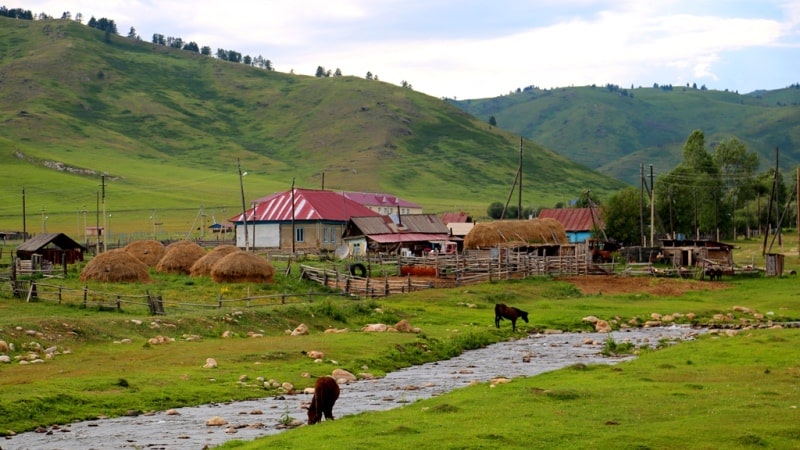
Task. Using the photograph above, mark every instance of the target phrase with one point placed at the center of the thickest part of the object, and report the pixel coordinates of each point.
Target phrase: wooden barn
(53, 248)
(694, 252)
(410, 234)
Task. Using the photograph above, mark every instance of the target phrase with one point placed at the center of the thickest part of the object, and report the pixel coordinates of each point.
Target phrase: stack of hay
(241, 267)
(510, 233)
(115, 266)
(202, 267)
(179, 257)
(148, 252)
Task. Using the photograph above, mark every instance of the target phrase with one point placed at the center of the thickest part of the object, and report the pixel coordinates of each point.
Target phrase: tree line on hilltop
(110, 27)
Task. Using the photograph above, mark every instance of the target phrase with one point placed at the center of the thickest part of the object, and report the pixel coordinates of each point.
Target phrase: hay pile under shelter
(202, 267)
(115, 266)
(149, 252)
(515, 233)
(241, 267)
(179, 257)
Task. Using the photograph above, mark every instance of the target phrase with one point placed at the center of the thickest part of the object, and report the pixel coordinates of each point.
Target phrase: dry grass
(202, 267)
(117, 266)
(240, 267)
(513, 232)
(149, 252)
(179, 257)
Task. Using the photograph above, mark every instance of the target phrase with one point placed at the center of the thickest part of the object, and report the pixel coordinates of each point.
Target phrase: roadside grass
(95, 374)
(716, 392)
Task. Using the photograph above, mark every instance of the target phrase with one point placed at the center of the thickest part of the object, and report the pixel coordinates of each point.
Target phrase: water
(248, 420)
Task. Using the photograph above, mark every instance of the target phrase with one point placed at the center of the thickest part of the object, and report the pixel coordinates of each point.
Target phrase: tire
(358, 270)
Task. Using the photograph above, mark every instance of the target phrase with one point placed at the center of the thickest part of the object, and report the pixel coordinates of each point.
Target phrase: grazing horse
(326, 391)
(501, 311)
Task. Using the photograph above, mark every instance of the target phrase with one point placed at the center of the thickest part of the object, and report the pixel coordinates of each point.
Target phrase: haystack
(115, 266)
(179, 257)
(241, 267)
(148, 252)
(509, 233)
(202, 267)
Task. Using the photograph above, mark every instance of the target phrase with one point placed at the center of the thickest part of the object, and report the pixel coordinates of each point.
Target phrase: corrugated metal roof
(42, 240)
(309, 204)
(423, 223)
(375, 225)
(574, 219)
(407, 237)
(456, 217)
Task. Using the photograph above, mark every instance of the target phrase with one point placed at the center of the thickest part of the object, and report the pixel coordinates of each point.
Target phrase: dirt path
(612, 284)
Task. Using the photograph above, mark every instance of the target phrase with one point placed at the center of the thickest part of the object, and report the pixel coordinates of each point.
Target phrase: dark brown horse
(326, 391)
(501, 311)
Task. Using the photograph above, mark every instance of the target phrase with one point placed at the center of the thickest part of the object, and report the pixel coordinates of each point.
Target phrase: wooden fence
(34, 291)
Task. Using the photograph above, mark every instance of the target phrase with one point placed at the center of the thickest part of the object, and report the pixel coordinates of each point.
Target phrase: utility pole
(519, 202)
(294, 232)
(244, 207)
(652, 208)
(641, 204)
(105, 221)
(24, 224)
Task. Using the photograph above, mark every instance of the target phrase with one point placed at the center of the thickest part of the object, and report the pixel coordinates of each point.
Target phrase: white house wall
(264, 235)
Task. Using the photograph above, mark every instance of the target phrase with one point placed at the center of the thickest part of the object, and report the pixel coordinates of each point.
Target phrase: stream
(185, 428)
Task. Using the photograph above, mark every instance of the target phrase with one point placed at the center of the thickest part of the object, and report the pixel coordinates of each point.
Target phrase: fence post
(310, 296)
(119, 303)
(219, 301)
(490, 269)
(85, 294)
(59, 294)
(386, 286)
(32, 293)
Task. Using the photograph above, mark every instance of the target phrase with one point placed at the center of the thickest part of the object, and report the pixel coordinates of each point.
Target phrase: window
(299, 235)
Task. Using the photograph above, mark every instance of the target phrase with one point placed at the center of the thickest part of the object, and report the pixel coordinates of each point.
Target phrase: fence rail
(34, 291)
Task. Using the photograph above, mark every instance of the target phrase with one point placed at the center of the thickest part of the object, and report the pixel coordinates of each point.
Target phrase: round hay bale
(242, 267)
(179, 257)
(202, 267)
(149, 252)
(515, 232)
(115, 266)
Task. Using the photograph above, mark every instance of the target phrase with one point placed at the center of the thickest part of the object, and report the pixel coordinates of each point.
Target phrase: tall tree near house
(621, 216)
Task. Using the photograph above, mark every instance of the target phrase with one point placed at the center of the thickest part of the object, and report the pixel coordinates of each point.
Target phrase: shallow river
(248, 420)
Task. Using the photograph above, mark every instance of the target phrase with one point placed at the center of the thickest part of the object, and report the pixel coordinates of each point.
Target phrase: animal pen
(413, 273)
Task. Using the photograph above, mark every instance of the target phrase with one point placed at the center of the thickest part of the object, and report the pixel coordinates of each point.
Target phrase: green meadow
(722, 391)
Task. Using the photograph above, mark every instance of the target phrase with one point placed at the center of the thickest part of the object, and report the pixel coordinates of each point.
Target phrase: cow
(326, 391)
(501, 311)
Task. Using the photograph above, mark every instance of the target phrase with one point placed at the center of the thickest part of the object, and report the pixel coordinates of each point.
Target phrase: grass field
(719, 392)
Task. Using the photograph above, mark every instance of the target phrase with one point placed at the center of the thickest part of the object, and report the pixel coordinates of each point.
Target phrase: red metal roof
(309, 204)
(574, 219)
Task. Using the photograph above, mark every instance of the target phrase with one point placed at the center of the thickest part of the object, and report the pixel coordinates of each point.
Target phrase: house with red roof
(298, 219)
(385, 204)
(579, 223)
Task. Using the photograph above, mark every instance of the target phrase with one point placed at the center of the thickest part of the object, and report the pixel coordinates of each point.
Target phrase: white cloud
(467, 48)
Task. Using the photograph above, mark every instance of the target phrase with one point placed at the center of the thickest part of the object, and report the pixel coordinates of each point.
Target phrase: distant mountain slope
(614, 130)
(167, 126)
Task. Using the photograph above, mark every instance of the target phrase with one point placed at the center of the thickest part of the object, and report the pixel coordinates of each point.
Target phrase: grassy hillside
(167, 127)
(614, 131)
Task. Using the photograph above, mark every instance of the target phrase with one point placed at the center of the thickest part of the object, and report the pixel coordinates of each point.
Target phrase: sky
(469, 49)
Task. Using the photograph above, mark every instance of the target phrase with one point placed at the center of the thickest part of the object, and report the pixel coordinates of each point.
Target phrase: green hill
(614, 130)
(167, 128)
